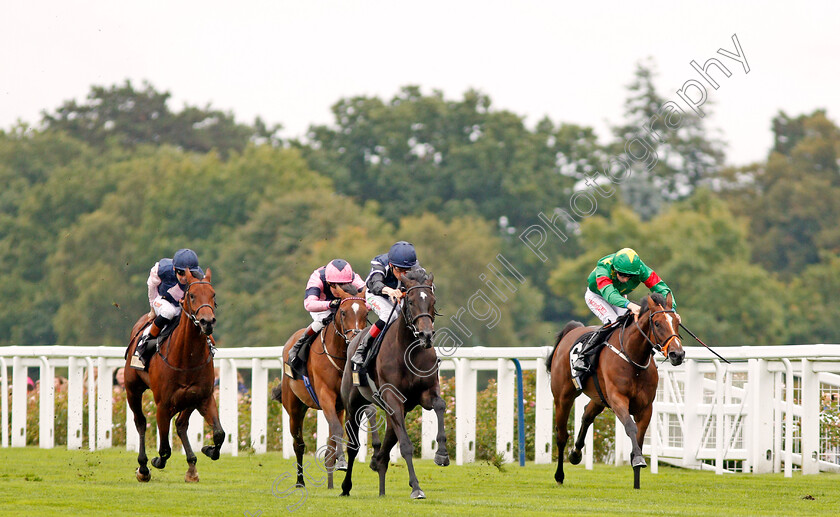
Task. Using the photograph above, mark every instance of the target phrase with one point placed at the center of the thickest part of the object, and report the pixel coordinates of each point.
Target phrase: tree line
(102, 188)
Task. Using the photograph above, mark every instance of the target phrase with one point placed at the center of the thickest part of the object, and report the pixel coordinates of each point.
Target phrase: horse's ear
(431, 279)
(651, 303)
(207, 275)
(669, 301)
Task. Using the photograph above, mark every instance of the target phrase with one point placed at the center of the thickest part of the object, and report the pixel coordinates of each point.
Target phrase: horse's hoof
(344, 494)
(575, 456)
(191, 478)
(341, 464)
(158, 463)
(638, 461)
(211, 452)
(418, 494)
(442, 460)
(373, 466)
(559, 480)
(143, 477)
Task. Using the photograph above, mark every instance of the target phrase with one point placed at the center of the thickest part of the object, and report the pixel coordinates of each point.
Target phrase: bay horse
(625, 377)
(405, 373)
(325, 365)
(180, 375)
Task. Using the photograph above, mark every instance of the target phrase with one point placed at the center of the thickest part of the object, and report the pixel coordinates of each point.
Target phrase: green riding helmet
(627, 262)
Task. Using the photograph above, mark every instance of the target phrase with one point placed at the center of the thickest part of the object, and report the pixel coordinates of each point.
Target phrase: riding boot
(138, 360)
(297, 355)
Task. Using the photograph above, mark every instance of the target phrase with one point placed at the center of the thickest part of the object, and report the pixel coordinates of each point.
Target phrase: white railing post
(322, 431)
(228, 406)
(4, 403)
(544, 409)
(810, 419)
(105, 398)
(505, 387)
(46, 406)
(91, 386)
(428, 434)
(720, 444)
(760, 419)
(259, 406)
(19, 395)
(132, 439)
(75, 403)
(288, 441)
(465, 409)
(693, 431)
(788, 417)
(588, 441)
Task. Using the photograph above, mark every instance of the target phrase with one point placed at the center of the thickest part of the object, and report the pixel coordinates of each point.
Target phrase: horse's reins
(194, 319)
(342, 335)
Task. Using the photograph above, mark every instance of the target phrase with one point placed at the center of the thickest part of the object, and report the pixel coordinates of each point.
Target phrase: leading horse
(625, 378)
(325, 367)
(180, 375)
(405, 373)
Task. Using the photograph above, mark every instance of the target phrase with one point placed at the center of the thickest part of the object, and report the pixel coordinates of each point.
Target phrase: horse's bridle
(193, 315)
(411, 322)
(345, 330)
(659, 347)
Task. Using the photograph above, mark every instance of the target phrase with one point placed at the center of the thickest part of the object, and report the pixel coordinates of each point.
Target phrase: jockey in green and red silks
(615, 276)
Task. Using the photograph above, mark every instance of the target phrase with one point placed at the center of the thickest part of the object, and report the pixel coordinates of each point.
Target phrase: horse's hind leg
(211, 416)
(164, 418)
(592, 410)
(182, 424)
(562, 407)
(135, 402)
(352, 415)
(375, 442)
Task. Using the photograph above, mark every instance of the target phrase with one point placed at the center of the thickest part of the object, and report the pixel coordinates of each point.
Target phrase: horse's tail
(568, 328)
(277, 392)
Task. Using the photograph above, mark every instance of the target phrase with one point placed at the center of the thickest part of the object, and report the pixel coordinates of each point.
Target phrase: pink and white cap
(338, 271)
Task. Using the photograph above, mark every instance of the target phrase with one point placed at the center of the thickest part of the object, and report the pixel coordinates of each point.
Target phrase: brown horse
(180, 375)
(406, 375)
(325, 367)
(625, 374)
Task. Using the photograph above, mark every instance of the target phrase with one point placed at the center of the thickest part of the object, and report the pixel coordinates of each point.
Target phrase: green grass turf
(60, 482)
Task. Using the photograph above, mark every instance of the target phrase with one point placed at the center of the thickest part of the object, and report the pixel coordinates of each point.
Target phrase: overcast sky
(288, 62)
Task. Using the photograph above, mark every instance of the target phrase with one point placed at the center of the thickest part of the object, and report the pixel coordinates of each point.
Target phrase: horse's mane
(419, 275)
(656, 297)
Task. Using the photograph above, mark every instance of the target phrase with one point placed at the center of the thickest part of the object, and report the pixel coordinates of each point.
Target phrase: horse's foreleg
(135, 402)
(397, 419)
(211, 416)
(181, 425)
(591, 410)
(637, 461)
(164, 418)
(642, 422)
(334, 458)
(441, 455)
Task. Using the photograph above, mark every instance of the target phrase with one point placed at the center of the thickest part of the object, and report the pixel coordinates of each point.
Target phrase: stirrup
(359, 375)
(136, 362)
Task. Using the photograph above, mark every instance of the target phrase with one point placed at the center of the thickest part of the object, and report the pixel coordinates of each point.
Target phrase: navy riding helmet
(187, 259)
(402, 255)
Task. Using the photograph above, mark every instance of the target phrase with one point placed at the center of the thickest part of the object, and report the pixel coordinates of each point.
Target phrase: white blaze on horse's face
(671, 327)
(356, 308)
(423, 295)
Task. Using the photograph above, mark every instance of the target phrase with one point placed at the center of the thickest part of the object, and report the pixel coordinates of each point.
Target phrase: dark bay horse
(626, 375)
(325, 367)
(405, 373)
(180, 375)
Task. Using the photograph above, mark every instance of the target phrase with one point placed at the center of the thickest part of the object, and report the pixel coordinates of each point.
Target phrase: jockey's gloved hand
(335, 303)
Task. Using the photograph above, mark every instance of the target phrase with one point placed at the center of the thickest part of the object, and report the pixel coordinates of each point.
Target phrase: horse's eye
(656, 323)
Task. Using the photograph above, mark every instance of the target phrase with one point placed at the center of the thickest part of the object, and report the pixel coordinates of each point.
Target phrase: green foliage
(121, 115)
